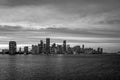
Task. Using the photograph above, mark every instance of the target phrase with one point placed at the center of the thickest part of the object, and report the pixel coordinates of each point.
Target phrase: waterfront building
(5, 51)
(83, 48)
(12, 47)
(47, 45)
(53, 49)
(69, 50)
(34, 49)
(26, 51)
(20, 50)
(76, 49)
(64, 46)
(59, 49)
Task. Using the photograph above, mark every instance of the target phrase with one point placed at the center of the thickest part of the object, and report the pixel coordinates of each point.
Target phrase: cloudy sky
(95, 23)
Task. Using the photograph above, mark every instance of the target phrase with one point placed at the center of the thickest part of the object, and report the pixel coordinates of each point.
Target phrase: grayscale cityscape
(47, 49)
(59, 39)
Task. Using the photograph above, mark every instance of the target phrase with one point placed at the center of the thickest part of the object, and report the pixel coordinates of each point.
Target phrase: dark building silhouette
(53, 49)
(69, 50)
(26, 50)
(47, 45)
(5, 51)
(100, 50)
(38, 49)
(12, 47)
(44, 48)
(34, 49)
(41, 47)
(59, 49)
(20, 50)
(83, 48)
(64, 46)
(76, 49)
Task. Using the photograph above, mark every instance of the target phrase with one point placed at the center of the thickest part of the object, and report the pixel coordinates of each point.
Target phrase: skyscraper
(26, 50)
(59, 49)
(53, 49)
(64, 46)
(41, 46)
(34, 49)
(12, 47)
(83, 46)
(47, 45)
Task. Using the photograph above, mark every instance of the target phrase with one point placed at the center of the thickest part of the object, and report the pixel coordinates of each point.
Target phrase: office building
(34, 49)
(64, 46)
(47, 45)
(26, 50)
(76, 49)
(53, 49)
(12, 47)
(59, 49)
(41, 47)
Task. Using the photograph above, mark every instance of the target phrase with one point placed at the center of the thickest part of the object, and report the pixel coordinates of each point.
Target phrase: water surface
(81, 67)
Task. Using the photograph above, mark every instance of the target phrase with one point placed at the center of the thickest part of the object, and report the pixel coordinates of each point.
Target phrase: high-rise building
(20, 50)
(12, 47)
(53, 49)
(44, 48)
(83, 47)
(38, 49)
(69, 50)
(41, 47)
(100, 50)
(76, 49)
(64, 46)
(59, 49)
(26, 50)
(34, 49)
(47, 45)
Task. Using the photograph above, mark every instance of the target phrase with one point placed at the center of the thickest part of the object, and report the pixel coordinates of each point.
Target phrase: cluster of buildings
(48, 48)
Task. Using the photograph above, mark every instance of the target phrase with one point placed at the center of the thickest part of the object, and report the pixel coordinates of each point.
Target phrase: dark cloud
(40, 2)
(98, 33)
(111, 22)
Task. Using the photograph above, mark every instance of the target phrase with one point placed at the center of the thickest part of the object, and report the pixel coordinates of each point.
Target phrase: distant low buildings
(99, 50)
(5, 51)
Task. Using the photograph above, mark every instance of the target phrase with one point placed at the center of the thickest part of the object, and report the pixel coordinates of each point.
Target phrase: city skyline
(48, 48)
(95, 23)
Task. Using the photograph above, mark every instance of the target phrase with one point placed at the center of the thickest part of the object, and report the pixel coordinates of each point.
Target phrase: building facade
(12, 47)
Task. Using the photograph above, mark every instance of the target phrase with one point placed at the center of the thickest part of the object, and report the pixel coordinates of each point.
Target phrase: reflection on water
(36, 67)
(23, 67)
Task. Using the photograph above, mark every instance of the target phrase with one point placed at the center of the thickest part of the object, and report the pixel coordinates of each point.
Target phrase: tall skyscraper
(12, 47)
(44, 48)
(59, 49)
(53, 49)
(41, 46)
(26, 50)
(34, 49)
(64, 46)
(47, 45)
(83, 46)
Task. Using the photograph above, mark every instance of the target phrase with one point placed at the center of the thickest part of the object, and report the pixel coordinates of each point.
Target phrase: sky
(95, 23)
